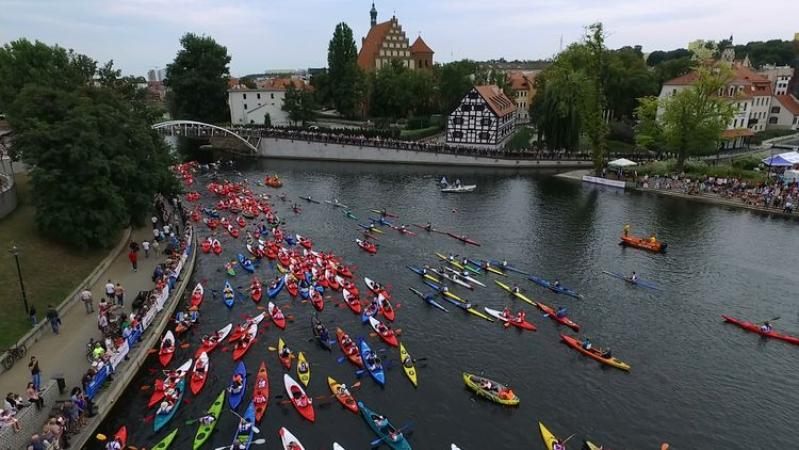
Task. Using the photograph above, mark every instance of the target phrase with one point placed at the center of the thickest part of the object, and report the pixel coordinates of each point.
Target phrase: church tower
(373, 15)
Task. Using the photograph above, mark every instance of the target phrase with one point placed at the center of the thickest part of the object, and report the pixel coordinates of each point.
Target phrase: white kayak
(464, 277)
(337, 446)
(289, 441)
(461, 188)
(455, 279)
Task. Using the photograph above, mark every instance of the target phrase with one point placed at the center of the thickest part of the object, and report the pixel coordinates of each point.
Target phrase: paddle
(255, 442)
(770, 320)
(254, 428)
(401, 429)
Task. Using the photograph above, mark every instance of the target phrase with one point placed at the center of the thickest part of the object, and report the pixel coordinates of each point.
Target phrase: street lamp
(15, 251)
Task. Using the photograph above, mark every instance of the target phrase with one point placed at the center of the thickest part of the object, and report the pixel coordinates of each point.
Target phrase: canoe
(459, 189)
(235, 398)
(498, 392)
(244, 436)
(160, 386)
(197, 378)
(463, 239)
(209, 345)
(161, 419)
(549, 439)
(524, 325)
(319, 329)
(305, 377)
(345, 398)
(376, 369)
(287, 360)
(387, 336)
(277, 315)
(275, 288)
(556, 289)
(261, 389)
(352, 301)
(164, 443)
(638, 282)
(554, 316)
(288, 440)
(461, 275)
(245, 263)
(518, 295)
(754, 328)
(350, 351)
(228, 294)
(239, 350)
(409, 368)
(644, 244)
(594, 353)
(165, 353)
(302, 403)
(256, 289)
(429, 298)
(204, 432)
(197, 295)
(390, 435)
(122, 435)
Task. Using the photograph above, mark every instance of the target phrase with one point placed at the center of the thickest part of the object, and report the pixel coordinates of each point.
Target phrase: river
(695, 382)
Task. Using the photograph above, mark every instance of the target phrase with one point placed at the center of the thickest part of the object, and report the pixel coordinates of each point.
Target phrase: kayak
(404, 231)
(410, 368)
(376, 368)
(302, 403)
(518, 295)
(463, 239)
(369, 311)
(549, 439)
(459, 302)
(387, 335)
(459, 189)
(275, 287)
(261, 389)
(317, 300)
(385, 305)
(390, 435)
(288, 440)
(319, 329)
(594, 353)
(162, 418)
(423, 274)
(287, 360)
(166, 352)
(198, 378)
(310, 200)
(754, 328)
(638, 282)
(468, 278)
(351, 350)
(197, 295)
(352, 301)
(216, 247)
(556, 289)
(337, 204)
(305, 377)
(366, 246)
(554, 316)
(429, 298)
(382, 222)
(243, 437)
(591, 446)
(499, 264)
(245, 326)
(256, 289)
(228, 294)
(235, 398)
(122, 434)
(343, 396)
(204, 432)
(161, 386)
(383, 212)
(453, 279)
(644, 244)
(291, 285)
(208, 345)
(348, 214)
(486, 266)
(524, 325)
(245, 263)
(370, 228)
(424, 227)
(459, 265)
(498, 392)
(277, 315)
(239, 350)
(164, 443)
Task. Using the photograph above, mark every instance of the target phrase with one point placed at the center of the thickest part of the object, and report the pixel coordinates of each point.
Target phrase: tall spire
(373, 15)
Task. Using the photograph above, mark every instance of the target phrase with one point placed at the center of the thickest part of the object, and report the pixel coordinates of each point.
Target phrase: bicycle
(14, 354)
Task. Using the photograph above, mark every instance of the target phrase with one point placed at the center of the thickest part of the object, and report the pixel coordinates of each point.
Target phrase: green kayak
(167, 441)
(204, 432)
(390, 436)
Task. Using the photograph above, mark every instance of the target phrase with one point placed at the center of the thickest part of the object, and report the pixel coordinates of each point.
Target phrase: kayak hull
(754, 328)
(595, 354)
(473, 382)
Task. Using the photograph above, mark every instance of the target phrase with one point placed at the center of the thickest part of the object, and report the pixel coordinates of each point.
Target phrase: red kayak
(245, 342)
(464, 239)
(344, 271)
(350, 349)
(197, 295)
(510, 319)
(352, 301)
(217, 247)
(291, 287)
(260, 393)
(301, 402)
(121, 436)
(210, 342)
(234, 232)
(256, 290)
(244, 326)
(317, 300)
(277, 316)
(385, 333)
(554, 316)
(385, 306)
(167, 349)
(162, 385)
(242, 223)
(198, 377)
(754, 328)
(206, 245)
(367, 246)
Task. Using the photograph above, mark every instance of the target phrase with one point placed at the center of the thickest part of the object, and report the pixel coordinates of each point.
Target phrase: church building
(387, 42)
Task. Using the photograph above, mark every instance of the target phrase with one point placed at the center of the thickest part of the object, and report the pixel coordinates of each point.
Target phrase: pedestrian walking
(32, 315)
(145, 245)
(133, 256)
(52, 317)
(86, 298)
(156, 234)
(154, 220)
(119, 292)
(109, 290)
(36, 373)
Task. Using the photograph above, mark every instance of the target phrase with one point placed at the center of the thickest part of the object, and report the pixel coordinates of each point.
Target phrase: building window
(245, 106)
(479, 107)
(457, 135)
(744, 106)
(775, 110)
(457, 120)
(245, 96)
(258, 96)
(483, 135)
(466, 107)
(272, 95)
(485, 122)
(772, 120)
(472, 95)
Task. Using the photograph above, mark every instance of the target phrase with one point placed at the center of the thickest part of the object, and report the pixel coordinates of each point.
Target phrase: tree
(299, 103)
(648, 131)
(454, 81)
(197, 80)
(594, 101)
(660, 56)
(556, 107)
(626, 79)
(345, 80)
(673, 68)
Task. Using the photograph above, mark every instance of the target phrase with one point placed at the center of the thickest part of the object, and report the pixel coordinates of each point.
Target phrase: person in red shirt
(133, 256)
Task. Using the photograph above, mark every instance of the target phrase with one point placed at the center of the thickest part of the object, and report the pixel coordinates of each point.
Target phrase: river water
(695, 382)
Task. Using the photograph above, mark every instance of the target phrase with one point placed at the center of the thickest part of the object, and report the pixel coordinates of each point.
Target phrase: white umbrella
(622, 162)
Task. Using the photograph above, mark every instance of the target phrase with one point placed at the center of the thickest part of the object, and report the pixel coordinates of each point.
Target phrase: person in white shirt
(166, 229)
(145, 245)
(110, 290)
(86, 298)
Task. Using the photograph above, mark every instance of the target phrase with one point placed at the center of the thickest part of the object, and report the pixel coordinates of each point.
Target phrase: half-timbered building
(485, 118)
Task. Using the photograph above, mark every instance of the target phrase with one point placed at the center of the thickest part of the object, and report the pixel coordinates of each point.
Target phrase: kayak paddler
(206, 420)
(766, 327)
(586, 344)
(653, 239)
(607, 354)
(516, 289)
(520, 316)
(116, 444)
(504, 263)
(506, 313)
(634, 277)
(428, 227)
(556, 283)
(626, 229)
(561, 313)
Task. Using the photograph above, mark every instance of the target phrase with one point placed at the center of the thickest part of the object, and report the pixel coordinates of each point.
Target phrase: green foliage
(520, 140)
(774, 51)
(556, 107)
(197, 80)
(455, 80)
(746, 162)
(765, 135)
(300, 105)
(267, 120)
(421, 133)
(345, 81)
(594, 100)
(673, 68)
(626, 78)
(399, 92)
(659, 56)
(321, 89)
(696, 169)
(648, 131)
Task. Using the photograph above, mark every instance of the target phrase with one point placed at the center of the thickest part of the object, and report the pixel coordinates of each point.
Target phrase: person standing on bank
(133, 256)
(86, 298)
(32, 315)
(145, 245)
(36, 373)
(109, 290)
(119, 291)
(52, 317)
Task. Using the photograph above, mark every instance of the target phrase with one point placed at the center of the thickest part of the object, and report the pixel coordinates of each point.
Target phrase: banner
(120, 354)
(97, 382)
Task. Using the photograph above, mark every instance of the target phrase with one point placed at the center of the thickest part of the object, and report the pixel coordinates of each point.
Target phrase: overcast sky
(281, 34)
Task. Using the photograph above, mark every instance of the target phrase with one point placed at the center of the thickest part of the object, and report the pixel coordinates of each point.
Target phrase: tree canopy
(344, 78)
(198, 80)
(300, 105)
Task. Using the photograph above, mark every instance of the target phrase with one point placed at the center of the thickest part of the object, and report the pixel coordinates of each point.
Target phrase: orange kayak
(644, 244)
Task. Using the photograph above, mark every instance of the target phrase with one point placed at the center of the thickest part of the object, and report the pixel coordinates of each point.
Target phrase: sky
(290, 34)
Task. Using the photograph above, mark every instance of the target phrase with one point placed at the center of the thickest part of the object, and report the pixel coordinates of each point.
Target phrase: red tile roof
(790, 103)
(519, 82)
(496, 99)
(419, 46)
(370, 47)
(281, 84)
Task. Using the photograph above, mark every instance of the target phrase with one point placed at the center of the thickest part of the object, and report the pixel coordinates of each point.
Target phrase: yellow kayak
(471, 310)
(496, 271)
(518, 295)
(281, 269)
(407, 365)
(591, 446)
(452, 262)
(305, 377)
(497, 392)
(549, 439)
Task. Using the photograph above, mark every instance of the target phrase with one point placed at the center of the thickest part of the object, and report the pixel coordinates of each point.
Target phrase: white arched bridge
(194, 129)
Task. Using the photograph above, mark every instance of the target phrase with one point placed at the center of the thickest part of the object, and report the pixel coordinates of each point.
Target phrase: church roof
(496, 99)
(371, 44)
(419, 46)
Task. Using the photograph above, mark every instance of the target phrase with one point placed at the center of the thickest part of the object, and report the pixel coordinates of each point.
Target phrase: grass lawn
(50, 270)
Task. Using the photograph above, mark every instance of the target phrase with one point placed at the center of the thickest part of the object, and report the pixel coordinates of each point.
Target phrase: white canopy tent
(787, 159)
(790, 176)
(622, 162)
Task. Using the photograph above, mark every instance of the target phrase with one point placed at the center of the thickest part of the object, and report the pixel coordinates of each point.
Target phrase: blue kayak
(390, 435)
(290, 240)
(211, 212)
(369, 311)
(638, 282)
(381, 221)
(162, 419)
(245, 434)
(376, 369)
(245, 263)
(235, 398)
(556, 289)
(429, 298)
(228, 294)
(272, 291)
(499, 265)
